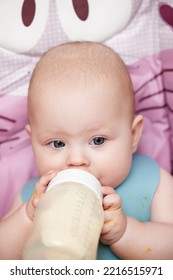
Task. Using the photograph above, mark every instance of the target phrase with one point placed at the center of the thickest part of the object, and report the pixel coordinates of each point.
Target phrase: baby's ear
(137, 127)
(28, 129)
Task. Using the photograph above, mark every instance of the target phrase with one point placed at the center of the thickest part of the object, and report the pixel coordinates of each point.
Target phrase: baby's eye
(57, 144)
(98, 141)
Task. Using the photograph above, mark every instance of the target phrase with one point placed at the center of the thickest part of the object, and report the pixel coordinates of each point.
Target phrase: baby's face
(83, 127)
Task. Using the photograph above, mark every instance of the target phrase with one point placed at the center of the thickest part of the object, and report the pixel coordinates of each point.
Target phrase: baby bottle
(68, 219)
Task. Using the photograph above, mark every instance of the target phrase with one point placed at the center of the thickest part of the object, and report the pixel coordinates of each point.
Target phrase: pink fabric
(153, 84)
(16, 156)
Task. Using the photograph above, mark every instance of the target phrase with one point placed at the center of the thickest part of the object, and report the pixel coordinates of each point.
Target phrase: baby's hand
(114, 219)
(40, 189)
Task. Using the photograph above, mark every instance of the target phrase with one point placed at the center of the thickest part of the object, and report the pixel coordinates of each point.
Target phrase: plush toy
(140, 31)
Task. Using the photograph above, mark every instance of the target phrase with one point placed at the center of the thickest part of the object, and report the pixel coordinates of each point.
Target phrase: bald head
(80, 62)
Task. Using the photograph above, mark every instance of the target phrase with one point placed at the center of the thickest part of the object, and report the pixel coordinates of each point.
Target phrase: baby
(81, 115)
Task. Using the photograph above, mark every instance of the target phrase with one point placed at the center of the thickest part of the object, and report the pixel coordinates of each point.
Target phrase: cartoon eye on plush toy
(27, 20)
(24, 22)
(93, 20)
(140, 31)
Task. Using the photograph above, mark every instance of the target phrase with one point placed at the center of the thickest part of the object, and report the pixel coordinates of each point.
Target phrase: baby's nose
(77, 159)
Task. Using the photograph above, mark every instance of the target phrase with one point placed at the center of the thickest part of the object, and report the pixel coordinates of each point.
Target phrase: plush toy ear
(22, 23)
(137, 127)
(95, 20)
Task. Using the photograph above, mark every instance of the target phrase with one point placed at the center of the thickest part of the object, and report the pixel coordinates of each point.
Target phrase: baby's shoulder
(162, 204)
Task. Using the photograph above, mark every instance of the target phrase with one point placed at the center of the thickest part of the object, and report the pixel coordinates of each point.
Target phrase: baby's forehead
(80, 56)
(76, 64)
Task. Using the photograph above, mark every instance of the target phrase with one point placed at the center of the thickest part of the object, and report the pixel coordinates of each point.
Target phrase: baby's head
(83, 65)
(81, 112)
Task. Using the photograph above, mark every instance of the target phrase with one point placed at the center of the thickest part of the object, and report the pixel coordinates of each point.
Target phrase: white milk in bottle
(68, 219)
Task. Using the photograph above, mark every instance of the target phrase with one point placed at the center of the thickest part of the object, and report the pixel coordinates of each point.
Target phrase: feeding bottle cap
(77, 176)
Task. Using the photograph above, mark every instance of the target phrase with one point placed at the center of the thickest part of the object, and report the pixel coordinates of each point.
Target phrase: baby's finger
(46, 178)
(112, 202)
(110, 214)
(42, 184)
(40, 188)
(107, 190)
